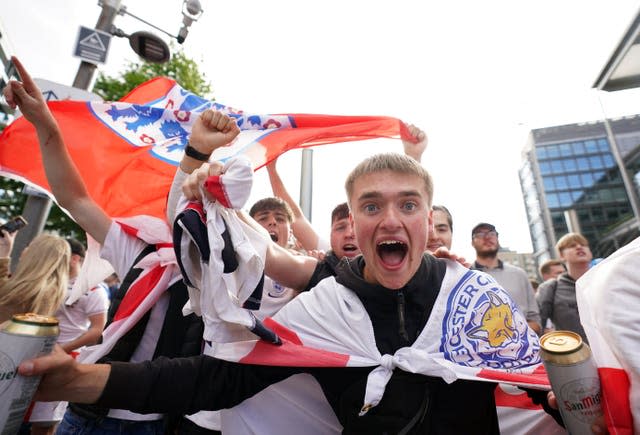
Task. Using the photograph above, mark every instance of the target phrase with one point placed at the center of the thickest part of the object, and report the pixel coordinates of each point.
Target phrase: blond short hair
(569, 239)
(393, 162)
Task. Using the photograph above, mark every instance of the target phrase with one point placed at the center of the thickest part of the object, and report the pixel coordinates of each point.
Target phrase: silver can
(23, 337)
(574, 379)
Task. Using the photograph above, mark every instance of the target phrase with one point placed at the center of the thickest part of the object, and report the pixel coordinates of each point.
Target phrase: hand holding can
(23, 337)
(574, 379)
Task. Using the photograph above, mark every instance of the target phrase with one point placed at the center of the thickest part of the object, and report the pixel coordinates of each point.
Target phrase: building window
(553, 201)
(587, 179)
(561, 182)
(578, 148)
(603, 145)
(565, 199)
(553, 152)
(548, 183)
(583, 163)
(565, 149)
(596, 162)
(541, 152)
(570, 165)
(576, 195)
(574, 181)
(608, 161)
(556, 166)
(591, 146)
(545, 168)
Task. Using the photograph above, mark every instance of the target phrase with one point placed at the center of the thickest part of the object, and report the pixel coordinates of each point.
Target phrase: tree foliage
(180, 68)
(183, 70)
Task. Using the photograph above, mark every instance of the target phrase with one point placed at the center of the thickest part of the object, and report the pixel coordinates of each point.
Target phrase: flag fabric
(213, 235)
(127, 151)
(608, 298)
(517, 414)
(159, 271)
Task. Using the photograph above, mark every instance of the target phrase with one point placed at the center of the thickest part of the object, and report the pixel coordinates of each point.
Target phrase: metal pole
(572, 221)
(36, 208)
(86, 70)
(306, 182)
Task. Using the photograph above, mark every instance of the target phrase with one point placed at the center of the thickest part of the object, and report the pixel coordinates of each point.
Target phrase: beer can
(574, 379)
(23, 337)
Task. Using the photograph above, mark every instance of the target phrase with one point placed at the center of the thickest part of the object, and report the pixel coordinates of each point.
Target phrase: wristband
(195, 154)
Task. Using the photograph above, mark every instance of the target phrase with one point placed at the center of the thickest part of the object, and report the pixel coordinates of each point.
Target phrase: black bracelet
(195, 154)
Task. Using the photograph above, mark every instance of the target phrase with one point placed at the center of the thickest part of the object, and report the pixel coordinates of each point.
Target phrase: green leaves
(183, 70)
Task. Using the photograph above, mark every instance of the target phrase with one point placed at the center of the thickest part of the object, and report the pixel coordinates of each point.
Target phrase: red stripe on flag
(215, 187)
(615, 400)
(520, 400)
(128, 229)
(138, 292)
(292, 352)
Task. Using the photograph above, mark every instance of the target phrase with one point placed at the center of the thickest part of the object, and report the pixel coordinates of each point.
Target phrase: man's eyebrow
(369, 195)
(375, 194)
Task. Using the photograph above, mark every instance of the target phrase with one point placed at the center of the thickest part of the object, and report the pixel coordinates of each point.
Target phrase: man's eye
(370, 208)
(410, 206)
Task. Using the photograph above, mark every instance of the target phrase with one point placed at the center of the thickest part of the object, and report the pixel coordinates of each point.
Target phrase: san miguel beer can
(23, 337)
(574, 379)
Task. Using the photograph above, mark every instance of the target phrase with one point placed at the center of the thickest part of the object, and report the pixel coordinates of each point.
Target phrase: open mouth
(274, 237)
(392, 252)
(350, 248)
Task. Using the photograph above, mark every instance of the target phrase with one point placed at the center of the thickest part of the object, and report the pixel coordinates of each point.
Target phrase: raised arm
(417, 148)
(301, 227)
(211, 130)
(63, 176)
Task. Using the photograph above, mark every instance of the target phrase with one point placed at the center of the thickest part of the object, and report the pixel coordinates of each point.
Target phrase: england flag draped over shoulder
(609, 301)
(127, 151)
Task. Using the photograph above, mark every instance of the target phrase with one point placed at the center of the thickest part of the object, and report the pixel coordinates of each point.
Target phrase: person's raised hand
(212, 130)
(6, 243)
(26, 96)
(416, 148)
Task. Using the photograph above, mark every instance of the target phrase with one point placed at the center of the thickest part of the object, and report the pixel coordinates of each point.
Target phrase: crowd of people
(389, 249)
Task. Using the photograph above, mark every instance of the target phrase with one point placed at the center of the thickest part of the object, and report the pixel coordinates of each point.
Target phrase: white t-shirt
(274, 297)
(74, 319)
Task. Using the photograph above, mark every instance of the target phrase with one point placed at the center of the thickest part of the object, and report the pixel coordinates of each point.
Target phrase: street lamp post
(147, 46)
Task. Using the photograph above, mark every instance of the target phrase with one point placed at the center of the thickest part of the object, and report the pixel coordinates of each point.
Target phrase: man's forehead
(271, 211)
(340, 221)
(392, 181)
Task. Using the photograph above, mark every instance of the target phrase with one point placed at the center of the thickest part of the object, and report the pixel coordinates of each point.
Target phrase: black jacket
(411, 404)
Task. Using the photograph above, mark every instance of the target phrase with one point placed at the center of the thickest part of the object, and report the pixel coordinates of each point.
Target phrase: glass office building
(571, 182)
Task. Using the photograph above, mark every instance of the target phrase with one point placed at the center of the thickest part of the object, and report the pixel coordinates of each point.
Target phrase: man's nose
(350, 234)
(391, 218)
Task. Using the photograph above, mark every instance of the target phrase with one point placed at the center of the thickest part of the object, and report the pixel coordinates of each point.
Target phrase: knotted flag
(127, 151)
